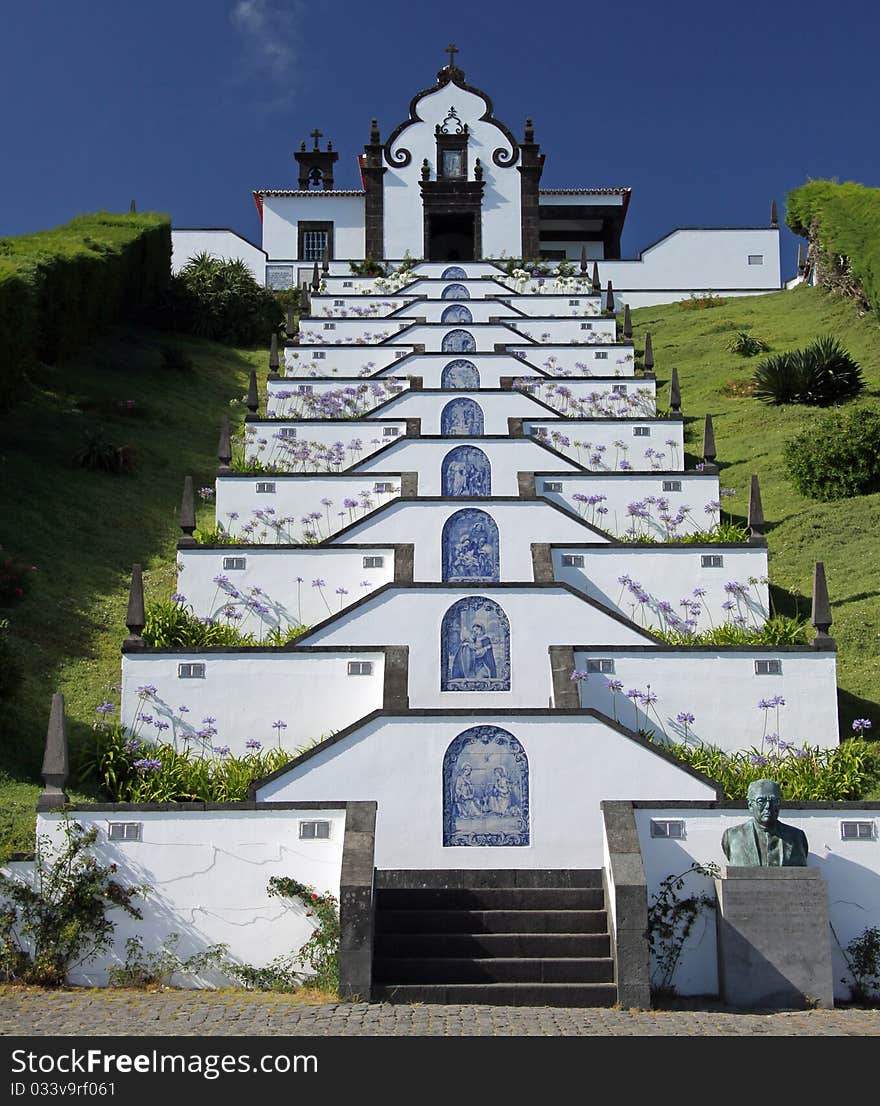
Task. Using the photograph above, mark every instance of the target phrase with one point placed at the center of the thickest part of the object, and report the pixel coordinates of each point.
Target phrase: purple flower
(614, 686)
(758, 760)
(147, 690)
(206, 493)
(108, 708)
(279, 725)
(221, 750)
(146, 765)
(578, 674)
(161, 726)
(684, 718)
(319, 583)
(148, 718)
(183, 710)
(859, 725)
(252, 743)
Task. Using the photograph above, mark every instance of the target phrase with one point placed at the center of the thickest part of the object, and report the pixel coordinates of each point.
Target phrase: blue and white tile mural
(470, 547)
(462, 418)
(475, 646)
(466, 470)
(455, 292)
(458, 341)
(485, 789)
(460, 373)
(454, 272)
(456, 313)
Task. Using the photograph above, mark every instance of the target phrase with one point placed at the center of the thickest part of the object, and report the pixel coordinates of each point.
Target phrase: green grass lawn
(749, 437)
(83, 530)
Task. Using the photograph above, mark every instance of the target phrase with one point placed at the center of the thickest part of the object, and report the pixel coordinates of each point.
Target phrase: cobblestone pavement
(220, 1014)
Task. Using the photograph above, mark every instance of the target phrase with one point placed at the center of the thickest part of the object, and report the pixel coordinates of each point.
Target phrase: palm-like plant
(819, 375)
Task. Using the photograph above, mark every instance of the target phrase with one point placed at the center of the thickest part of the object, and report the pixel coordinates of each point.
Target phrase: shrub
(10, 666)
(837, 457)
(16, 577)
(819, 375)
(155, 969)
(61, 920)
(99, 455)
(696, 302)
(177, 359)
(173, 625)
(220, 300)
(747, 345)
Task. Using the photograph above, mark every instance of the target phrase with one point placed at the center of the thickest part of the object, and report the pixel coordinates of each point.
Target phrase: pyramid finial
(253, 400)
(305, 302)
(316, 277)
(674, 392)
(135, 618)
(648, 361)
(583, 259)
(774, 215)
(132, 209)
(708, 443)
(756, 510)
(325, 267)
(597, 287)
(609, 299)
(273, 357)
(56, 761)
(224, 448)
(627, 322)
(188, 514)
(821, 616)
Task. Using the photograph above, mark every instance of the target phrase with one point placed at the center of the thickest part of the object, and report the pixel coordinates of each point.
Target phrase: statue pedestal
(774, 938)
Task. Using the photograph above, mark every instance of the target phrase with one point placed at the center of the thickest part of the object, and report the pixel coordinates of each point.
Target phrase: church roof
(308, 192)
(583, 191)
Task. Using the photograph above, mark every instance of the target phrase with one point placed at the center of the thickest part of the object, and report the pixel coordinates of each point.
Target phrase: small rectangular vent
(305, 389)
(668, 827)
(382, 487)
(339, 303)
(314, 831)
(602, 355)
(191, 671)
(266, 487)
(374, 562)
(711, 560)
(586, 326)
(671, 485)
(552, 485)
(125, 831)
(318, 354)
(329, 326)
(768, 668)
(619, 389)
(604, 665)
(641, 432)
(572, 560)
(234, 564)
(574, 303)
(857, 831)
(360, 668)
(287, 432)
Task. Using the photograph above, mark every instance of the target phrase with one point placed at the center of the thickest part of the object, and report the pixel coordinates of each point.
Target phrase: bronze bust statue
(765, 842)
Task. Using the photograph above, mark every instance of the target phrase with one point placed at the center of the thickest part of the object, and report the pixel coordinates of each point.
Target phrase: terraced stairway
(514, 938)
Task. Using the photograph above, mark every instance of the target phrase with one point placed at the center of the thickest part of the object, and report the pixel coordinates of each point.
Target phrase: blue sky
(706, 111)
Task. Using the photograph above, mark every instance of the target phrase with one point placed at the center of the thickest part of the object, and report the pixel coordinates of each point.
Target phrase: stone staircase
(513, 938)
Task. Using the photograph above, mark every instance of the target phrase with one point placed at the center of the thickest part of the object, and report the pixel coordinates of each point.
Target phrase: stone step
(492, 898)
(493, 944)
(491, 921)
(470, 878)
(412, 970)
(500, 994)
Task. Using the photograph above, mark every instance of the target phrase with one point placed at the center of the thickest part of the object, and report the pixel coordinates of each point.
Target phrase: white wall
(520, 522)
(479, 289)
(245, 692)
(207, 872)
(485, 336)
(265, 442)
(591, 442)
(620, 490)
(543, 305)
(481, 310)
(496, 406)
(669, 573)
(285, 400)
(222, 243)
(578, 360)
(430, 366)
(294, 498)
(538, 618)
(281, 215)
(850, 868)
(574, 763)
(721, 689)
(285, 578)
(689, 260)
(335, 332)
(506, 456)
(345, 361)
(362, 306)
(592, 396)
(501, 194)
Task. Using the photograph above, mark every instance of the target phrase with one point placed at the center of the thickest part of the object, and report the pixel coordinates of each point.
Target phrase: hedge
(848, 216)
(62, 287)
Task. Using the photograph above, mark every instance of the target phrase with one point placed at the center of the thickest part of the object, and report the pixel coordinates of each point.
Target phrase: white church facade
(454, 183)
(477, 498)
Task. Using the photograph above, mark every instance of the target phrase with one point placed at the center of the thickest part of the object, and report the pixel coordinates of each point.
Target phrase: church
(464, 475)
(451, 182)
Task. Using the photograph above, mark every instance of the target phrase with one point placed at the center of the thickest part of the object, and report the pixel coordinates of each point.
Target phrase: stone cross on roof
(452, 50)
(316, 134)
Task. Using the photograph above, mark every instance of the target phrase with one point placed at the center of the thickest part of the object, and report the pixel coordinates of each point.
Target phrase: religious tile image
(456, 313)
(485, 789)
(475, 646)
(453, 272)
(460, 373)
(466, 470)
(455, 292)
(470, 547)
(280, 277)
(459, 341)
(462, 418)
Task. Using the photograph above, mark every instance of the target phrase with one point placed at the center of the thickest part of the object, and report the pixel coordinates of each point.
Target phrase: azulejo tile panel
(485, 789)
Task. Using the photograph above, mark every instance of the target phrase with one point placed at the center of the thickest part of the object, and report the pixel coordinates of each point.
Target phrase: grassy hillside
(83, 530)
(750, 437)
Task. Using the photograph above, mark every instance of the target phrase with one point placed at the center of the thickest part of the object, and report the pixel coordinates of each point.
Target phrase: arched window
(455, 292)
(460, 373)
(475, 646)
(462, 417)
(458, 341)
(470, 547)
(453, 272)
(466, 470)
(456, 313)
(485, 789)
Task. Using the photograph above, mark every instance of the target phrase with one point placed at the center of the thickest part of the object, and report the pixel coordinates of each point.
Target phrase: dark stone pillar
(356, 902)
